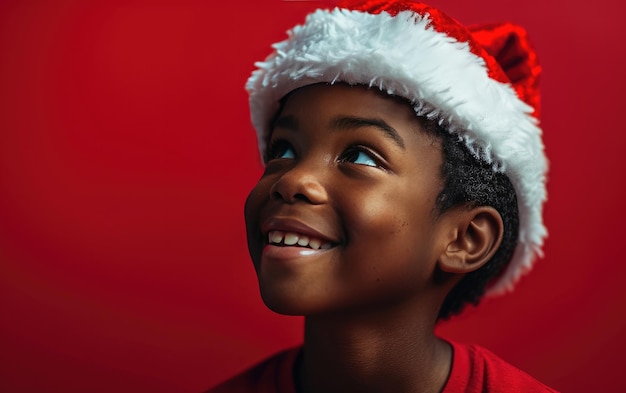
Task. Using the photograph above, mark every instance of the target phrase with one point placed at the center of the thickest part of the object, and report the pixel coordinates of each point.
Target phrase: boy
(404, 178)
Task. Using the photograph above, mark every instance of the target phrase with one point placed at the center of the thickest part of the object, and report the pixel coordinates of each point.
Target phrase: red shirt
(474, 369)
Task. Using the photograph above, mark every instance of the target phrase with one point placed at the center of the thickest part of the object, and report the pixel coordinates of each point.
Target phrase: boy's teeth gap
(292, 239)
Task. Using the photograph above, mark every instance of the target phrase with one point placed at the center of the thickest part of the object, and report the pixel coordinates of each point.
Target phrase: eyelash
(278, 147)
(356, 151)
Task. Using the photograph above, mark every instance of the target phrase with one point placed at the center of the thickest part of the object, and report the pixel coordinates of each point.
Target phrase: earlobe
(474, 236)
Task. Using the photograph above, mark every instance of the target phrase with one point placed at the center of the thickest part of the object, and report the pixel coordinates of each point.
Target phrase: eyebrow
(346, 123)
(352, 122)
(288, 122)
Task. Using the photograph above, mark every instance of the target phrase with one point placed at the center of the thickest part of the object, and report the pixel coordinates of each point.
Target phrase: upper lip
(288, 224)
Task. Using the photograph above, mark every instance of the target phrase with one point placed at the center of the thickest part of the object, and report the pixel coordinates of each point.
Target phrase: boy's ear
(474, 236)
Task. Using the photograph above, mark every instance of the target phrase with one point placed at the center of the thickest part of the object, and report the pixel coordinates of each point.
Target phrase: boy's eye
(280, 149)
(286, 153)
(359, 156)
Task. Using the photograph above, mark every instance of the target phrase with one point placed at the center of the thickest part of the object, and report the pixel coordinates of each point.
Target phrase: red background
(126, 154)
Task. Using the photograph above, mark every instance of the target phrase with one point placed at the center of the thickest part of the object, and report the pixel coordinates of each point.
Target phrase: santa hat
(479, 83)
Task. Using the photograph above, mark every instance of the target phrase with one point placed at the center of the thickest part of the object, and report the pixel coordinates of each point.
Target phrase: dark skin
(342, 228)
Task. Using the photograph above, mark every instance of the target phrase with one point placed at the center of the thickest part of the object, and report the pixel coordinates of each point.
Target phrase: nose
(301, 183)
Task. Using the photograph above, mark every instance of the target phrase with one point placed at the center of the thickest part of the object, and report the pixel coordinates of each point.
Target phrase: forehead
(324, 102)
(341, 97)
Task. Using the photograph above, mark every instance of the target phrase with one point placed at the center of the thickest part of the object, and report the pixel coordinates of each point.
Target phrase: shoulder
(272, 375)
(476, 369)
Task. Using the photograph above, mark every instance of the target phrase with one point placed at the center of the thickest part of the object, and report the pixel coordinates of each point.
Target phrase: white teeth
(315, 244)
(291, 238)
(276, 237)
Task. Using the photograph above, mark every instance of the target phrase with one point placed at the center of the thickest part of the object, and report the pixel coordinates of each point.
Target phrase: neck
(394, 352)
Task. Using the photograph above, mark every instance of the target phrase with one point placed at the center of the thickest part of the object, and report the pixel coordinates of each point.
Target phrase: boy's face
(352, 181)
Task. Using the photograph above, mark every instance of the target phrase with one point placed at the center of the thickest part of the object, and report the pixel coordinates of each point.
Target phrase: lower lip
(289, 252)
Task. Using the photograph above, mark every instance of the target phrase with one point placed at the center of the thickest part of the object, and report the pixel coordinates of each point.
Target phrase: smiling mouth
(293, 239)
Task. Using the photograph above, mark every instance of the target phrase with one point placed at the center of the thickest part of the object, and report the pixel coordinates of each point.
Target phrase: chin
(284, 304)
(292, 303)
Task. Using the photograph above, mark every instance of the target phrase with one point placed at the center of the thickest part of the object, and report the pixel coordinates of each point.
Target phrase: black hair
(471, 181)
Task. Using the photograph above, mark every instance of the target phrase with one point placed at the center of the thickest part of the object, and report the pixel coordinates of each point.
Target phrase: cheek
(254, 201)
(390, 238)
(377, 225)
(248, 207)
(377, 218)
(386, 217)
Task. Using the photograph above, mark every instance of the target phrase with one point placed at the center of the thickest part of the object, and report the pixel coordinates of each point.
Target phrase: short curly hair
(470, 180)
